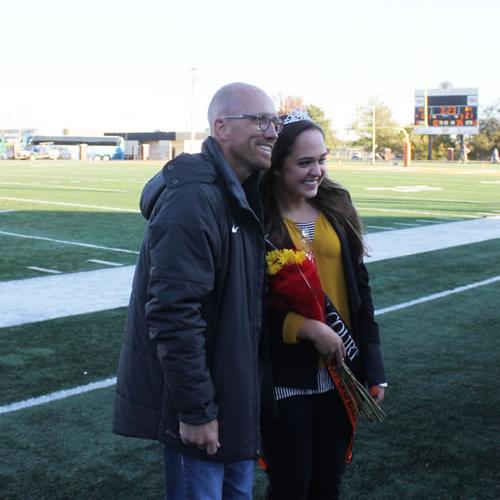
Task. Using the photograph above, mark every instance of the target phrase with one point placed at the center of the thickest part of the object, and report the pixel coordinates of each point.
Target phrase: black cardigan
(296, 365)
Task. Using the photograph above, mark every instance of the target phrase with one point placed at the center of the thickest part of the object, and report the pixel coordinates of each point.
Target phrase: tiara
(296, 115)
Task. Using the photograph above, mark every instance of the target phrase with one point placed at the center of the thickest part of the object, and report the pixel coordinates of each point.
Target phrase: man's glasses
(263, 121)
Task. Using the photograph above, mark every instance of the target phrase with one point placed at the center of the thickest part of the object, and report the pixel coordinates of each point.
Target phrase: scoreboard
(449, 111)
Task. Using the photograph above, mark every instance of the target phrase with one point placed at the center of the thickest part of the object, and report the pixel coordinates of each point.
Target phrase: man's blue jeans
(192, 479)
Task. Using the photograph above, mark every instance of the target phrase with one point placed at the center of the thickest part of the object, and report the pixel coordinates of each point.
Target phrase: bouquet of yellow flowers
(294, 284)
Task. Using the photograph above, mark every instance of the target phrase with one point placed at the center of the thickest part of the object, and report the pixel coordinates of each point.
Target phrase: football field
(70, 231)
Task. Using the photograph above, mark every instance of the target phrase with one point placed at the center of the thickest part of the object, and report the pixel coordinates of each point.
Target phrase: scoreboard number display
(449, 111)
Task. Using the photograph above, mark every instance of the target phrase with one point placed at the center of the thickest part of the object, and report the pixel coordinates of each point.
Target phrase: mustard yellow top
(328, 255)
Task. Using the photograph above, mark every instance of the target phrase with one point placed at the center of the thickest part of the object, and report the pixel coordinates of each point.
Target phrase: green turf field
(442, 356)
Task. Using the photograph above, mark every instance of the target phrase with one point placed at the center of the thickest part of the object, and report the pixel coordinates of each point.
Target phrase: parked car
(356, 156)
(21, 154)
(43, 153)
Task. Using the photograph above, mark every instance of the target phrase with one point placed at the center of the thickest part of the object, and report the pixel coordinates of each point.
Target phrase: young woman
(307, 432)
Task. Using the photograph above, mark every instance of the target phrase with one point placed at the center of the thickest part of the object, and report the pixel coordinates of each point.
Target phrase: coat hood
(207, 167)
(150, 194)
(180, 171)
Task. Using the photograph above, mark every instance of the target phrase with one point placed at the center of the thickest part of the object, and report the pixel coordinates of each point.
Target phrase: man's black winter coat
(190, 350)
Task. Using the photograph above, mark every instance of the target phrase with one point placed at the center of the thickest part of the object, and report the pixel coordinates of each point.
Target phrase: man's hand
(205, 436)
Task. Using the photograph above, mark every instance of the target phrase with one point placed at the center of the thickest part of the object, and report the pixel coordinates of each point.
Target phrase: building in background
(93, 144)
(159, 145)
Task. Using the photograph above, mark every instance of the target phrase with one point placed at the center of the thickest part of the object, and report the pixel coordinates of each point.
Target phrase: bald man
(188, 373)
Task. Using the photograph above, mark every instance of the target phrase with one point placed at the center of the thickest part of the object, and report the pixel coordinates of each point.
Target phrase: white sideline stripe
(406, 224)
(101, 384)
(435, 296)
(63, 295)
(105, 262)
(7, 211)
(61, 203)
(415, 240)
(53, 240)
(54, 396)
(44, 270)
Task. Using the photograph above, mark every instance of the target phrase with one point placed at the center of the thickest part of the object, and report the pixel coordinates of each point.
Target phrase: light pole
(373, 133)
(192, 135)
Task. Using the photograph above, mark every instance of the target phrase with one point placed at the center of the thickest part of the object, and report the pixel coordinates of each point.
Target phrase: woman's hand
(326, 341)
(378, 393)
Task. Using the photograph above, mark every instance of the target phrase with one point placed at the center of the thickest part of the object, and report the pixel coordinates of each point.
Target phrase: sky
(117, 65)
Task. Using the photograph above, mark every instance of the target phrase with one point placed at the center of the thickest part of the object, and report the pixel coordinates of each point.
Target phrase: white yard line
(56, 186)
(65, 242)
(44, 270)
(439, 200)
(105, 289)
(435, 296)
(54, 396)
(29, 176)
(407, 211)
(63, 204)
(101, 384)
(105, 262)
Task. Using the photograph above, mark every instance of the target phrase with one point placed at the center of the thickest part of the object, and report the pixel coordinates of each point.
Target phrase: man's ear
(220, 129)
